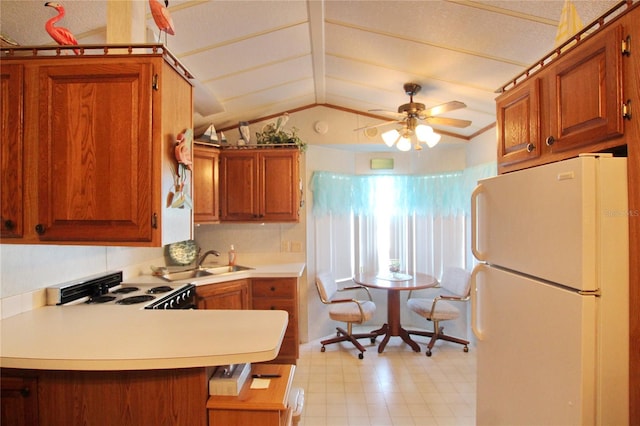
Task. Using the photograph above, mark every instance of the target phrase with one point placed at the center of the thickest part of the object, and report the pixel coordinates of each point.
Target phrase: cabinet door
(238, 186)
(19, 401)
(11, 183)
(95, 159)
(206, 202)
(280, 294)
(518, 121)
(586, 93)
(279, 185)
(228, 295)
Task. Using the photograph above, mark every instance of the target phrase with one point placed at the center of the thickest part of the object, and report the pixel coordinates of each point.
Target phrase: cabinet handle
(154, 221)
(626, 46)
(154, 82)
(550, 141)
(273, 308)
(626, 110)
(273, 289)
(40, 229)
(25, 392)
(9, 224)
(530, 147)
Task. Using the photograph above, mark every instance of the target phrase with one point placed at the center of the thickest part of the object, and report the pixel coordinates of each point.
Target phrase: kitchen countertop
(282, 270)
(81, 337)
(84, 337)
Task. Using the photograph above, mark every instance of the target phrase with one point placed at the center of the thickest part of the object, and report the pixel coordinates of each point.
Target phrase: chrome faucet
(203, 257)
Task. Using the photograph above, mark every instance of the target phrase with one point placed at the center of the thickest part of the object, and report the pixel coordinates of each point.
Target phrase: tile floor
(397, 387)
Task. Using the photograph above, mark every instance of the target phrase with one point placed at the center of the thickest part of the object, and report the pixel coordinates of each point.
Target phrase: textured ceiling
(254, 59)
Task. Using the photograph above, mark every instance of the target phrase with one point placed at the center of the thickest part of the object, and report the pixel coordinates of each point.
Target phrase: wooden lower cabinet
(19, 396)
(263, 294)
(105, 398)
(280, 294)
(226, 295)
(264, 407)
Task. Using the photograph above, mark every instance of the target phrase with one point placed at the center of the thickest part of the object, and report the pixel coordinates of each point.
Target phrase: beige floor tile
(396, 388)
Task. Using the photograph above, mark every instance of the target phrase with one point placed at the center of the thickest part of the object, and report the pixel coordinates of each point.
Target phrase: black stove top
(109, 290)
(159, 289)
(132, 300)
(101, 299)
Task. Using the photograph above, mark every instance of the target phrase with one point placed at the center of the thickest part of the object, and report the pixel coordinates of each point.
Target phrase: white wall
(26, 269)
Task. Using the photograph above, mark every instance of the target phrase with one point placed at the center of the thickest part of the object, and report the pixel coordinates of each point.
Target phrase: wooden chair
(456, 285)
(351, 311)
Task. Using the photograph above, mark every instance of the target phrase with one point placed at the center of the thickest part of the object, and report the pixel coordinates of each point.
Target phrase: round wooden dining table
(394, 284)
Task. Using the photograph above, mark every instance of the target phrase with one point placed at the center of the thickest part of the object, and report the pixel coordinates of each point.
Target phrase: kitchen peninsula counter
(101, 338)
(86, 337)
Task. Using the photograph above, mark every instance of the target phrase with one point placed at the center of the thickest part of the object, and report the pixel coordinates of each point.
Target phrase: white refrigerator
(550, 297)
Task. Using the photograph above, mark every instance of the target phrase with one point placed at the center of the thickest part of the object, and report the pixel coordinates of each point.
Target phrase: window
(361, 222)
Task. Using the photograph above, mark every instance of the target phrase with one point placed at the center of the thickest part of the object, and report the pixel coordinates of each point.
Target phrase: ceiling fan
(411, 114)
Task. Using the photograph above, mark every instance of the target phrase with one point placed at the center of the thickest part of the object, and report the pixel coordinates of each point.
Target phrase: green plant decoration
(274, 134)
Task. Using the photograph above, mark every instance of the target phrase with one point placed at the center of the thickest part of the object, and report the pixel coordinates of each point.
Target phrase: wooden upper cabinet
(238, 185)
(279, 185)
(518, 118)
(98, 161)
(11, 156)
(585, 93)
(259, 185)
(572, 105)
(206, 200)
(95, 159)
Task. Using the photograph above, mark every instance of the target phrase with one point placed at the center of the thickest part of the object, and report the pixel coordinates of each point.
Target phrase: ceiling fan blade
(386, 111)
(442, 108)
(444, 121)
(377, 125)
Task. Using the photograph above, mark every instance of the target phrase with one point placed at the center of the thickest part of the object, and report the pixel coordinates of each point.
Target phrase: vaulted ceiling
(254, 59)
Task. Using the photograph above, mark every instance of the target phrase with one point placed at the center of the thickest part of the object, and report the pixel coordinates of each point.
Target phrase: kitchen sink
(185, 275)
(202, 272)
(227, 269)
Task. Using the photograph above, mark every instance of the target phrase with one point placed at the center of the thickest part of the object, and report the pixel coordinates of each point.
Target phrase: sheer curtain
(363, 221)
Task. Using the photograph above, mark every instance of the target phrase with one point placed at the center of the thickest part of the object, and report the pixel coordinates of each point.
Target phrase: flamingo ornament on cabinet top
(162, 18)
(60, 34)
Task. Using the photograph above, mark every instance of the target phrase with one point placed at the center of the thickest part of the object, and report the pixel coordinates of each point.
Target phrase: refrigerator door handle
(477, 331)
(474, 223)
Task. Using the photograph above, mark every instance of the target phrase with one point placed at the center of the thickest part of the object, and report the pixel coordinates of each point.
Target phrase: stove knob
(166, 305)
(171, 304)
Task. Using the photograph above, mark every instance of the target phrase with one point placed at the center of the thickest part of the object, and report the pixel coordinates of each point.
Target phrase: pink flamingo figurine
(162, 18)
(60, 34)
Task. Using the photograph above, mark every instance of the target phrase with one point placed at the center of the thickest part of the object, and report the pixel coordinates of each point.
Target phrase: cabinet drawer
(274, 288)
(264, 303)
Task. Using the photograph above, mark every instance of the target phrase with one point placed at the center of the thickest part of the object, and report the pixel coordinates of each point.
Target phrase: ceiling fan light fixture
(423, 132)
(411, 114)
(390, 137)
(404, 144)
(433, 139)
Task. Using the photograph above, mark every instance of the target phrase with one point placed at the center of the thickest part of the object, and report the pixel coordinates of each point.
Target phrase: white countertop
(84, 337)
(282, 270)
(81, 337)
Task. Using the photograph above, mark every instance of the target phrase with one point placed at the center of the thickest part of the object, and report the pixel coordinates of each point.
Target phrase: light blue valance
(443, 194)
